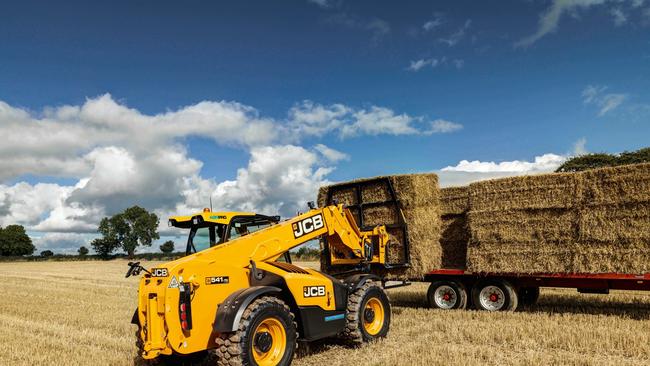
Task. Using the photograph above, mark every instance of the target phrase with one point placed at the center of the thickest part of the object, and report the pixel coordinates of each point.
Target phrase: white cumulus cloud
(116, 156)
(544, 163)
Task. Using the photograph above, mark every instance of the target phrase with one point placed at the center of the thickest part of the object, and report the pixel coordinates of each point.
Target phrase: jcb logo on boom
(306, 226)
(313, 291)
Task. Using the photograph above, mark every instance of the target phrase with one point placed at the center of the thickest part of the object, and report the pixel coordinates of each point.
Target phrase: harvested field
(418, 197)
(78, 313)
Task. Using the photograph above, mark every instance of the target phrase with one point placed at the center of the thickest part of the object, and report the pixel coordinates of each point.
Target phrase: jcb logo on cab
(306, 226)
(313, 291)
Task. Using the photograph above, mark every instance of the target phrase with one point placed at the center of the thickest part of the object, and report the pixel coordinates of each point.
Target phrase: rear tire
(528, 295)
(494, 295)
(447, 295)
(266, 336)
(368, 314)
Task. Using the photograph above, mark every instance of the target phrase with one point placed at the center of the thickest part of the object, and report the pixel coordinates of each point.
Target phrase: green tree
(588, 161)
(47, 253)
(130, 229)
(15, 241)
(167, 247)
(82, 251)
(104, 246)
(601, 160)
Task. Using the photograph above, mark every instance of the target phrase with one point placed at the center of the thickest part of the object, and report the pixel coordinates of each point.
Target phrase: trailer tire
(494, 295)
(266, 335)
(447, 295)
(368, 314)
(528, 295)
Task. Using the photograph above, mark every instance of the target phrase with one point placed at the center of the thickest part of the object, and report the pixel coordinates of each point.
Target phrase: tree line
(127, 230)
(601, 160)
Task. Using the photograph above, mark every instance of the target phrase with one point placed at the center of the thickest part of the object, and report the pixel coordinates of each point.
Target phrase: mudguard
(229, 312)
(355, 281)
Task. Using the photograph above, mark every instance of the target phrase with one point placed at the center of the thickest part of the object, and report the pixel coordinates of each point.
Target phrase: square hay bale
(454, 200)
(622, 184)
(497, 258)
(454, 237)
(380, 215)
(558, 190)
(375, 192)
(417, 205)
(523, 226)
(616, 224)
(611, 259)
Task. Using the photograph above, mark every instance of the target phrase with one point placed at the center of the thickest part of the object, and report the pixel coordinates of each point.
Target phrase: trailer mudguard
(229, 312)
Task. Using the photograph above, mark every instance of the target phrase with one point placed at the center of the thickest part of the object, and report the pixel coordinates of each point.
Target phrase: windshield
(204, 237)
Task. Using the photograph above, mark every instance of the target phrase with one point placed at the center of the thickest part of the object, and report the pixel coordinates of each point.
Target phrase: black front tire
(360, 327)
(238, 348)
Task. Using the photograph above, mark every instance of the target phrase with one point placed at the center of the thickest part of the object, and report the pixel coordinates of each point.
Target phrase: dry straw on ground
(418, 197)
(79, 313)
(594, 221)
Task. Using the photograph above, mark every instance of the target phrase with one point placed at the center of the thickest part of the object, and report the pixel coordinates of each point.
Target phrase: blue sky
(423, 85)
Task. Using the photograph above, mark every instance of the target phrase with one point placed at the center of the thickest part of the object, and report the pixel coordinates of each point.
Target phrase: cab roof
(207, 216)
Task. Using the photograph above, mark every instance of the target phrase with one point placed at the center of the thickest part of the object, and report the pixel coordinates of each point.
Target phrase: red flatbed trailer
(457, 288)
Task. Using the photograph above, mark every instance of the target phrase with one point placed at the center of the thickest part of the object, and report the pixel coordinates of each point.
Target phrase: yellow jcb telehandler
(238, 297)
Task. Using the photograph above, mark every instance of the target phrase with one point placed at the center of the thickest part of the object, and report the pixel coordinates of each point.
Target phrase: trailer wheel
(528, 295)
(447, 295)
(266, 336)
(495, 295)
(368, 314)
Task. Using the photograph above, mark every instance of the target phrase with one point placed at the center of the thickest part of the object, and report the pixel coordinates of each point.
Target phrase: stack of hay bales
(523, 224)
(614, 225)
(417, 206)
(596, 221)
(454, 231)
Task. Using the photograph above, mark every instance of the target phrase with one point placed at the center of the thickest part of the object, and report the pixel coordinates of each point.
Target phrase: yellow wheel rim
(269, 351)
(373, 316)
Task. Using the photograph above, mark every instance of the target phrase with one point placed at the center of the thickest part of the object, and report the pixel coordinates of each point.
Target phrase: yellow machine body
(208, 280)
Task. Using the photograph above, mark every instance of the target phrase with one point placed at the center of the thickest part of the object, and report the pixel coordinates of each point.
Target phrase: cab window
(204, 237)
(244, 226)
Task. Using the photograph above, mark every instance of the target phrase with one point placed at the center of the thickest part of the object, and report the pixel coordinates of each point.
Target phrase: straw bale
(454, 237)
(418, 197)
(454, 200)
(611, 259)
(622, 184)
(516, 227)
(375, 192)
(559, 190)
(616, 223)
(380, 215)
(497, 258)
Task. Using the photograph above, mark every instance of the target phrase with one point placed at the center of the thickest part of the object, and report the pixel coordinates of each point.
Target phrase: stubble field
(78, 313)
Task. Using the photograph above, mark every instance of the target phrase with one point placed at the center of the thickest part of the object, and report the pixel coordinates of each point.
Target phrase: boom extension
(335, 223)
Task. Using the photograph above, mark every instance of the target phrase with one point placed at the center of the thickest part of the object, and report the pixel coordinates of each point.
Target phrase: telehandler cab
(237, 295)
